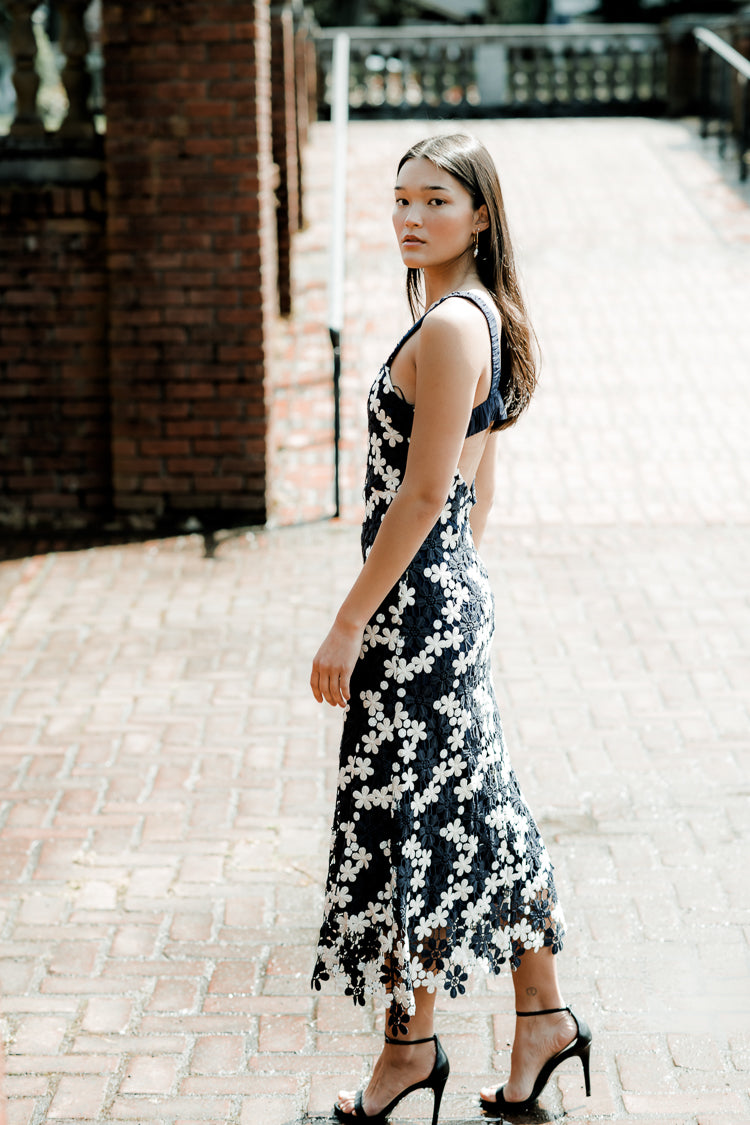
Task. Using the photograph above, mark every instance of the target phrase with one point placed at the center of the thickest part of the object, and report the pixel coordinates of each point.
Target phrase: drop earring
(475, 238)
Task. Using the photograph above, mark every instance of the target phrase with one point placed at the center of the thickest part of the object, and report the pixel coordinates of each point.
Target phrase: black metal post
(744, 137)
(336, 342)
(725, 108)
(705, 86)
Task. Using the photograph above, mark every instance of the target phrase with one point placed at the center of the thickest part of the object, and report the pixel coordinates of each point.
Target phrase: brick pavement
(166, 782)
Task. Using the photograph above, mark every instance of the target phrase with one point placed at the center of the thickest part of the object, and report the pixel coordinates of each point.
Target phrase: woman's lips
(412, 241)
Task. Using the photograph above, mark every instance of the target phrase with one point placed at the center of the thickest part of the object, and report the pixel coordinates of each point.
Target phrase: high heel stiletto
(580, 1047)
(436, 1081)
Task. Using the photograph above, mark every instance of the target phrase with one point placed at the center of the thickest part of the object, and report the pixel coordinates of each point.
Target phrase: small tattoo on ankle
(531, 992)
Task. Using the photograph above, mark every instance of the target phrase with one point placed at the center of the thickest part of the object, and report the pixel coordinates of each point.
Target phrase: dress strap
(407, 336)
(493, 408)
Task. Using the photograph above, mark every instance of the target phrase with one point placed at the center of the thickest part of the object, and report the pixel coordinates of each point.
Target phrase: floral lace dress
(436, 864)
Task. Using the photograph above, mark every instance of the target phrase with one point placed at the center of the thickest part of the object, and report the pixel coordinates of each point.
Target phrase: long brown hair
(466, 158)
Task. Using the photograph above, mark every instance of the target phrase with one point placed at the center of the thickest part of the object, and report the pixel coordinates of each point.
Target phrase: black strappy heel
(436, 1082)
(580, 1048)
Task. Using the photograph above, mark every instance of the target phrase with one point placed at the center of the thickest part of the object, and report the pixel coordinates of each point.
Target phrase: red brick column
(305, 88)
(54, 411)
(191, 255)
(284, 103)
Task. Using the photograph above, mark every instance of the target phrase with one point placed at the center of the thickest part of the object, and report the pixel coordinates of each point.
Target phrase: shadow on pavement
(538, 1117)
(394, 1121)
(19, 545)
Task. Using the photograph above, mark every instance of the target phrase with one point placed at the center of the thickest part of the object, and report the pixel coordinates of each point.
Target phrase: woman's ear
(481, 217)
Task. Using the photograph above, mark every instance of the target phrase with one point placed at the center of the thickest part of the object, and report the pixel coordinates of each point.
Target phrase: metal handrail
(721, 47)
(731, 109)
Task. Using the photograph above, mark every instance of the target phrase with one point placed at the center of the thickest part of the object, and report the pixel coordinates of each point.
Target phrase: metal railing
(500, 70)
(725, 94)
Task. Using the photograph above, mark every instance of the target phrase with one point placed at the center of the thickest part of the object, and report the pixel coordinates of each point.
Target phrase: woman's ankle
(545, 997)
(408, 1057)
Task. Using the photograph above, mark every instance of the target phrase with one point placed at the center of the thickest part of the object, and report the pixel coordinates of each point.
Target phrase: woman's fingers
(333, 665)
(315, 685)
(330, 685)
(334, 696)
(344, 688)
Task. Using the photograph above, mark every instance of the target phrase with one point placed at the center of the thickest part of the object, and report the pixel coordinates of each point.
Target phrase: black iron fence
(725, 94)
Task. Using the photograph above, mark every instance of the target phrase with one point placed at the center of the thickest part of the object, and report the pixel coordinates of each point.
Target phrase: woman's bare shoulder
(458, 321)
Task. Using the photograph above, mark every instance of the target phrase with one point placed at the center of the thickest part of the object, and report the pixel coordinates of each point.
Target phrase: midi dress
(436, 864)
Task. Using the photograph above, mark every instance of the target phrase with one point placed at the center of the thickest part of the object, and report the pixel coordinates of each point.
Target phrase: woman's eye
(440, 201)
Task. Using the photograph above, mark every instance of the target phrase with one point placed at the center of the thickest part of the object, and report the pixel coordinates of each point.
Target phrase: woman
(436, 863)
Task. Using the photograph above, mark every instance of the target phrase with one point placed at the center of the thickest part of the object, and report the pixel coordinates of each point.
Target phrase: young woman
(436, 863)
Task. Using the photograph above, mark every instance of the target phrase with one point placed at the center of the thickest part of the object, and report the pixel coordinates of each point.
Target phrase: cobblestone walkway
(166, 780)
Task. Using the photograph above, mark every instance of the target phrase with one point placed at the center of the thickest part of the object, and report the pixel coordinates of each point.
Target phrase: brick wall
(191, 255)
(142, 274)
(54, 410)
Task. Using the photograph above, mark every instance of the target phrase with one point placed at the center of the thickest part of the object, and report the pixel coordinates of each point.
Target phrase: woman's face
(433, 215)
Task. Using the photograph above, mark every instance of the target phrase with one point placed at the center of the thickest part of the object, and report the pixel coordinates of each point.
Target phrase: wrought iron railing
(510, 70)
(725, 94)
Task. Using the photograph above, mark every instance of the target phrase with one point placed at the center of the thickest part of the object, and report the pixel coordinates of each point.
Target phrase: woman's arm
(451, 352)
(484, 483)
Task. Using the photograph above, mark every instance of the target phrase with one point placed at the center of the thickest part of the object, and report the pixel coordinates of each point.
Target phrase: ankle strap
(544, 1011)
(410, 1042)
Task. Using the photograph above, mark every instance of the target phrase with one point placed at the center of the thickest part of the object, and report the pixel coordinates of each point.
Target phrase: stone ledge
(50, 160)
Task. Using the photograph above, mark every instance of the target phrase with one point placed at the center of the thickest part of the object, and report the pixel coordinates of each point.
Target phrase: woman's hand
(334, 663)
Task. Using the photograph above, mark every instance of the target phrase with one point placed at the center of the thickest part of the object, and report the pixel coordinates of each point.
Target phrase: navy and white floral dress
(436, 863)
